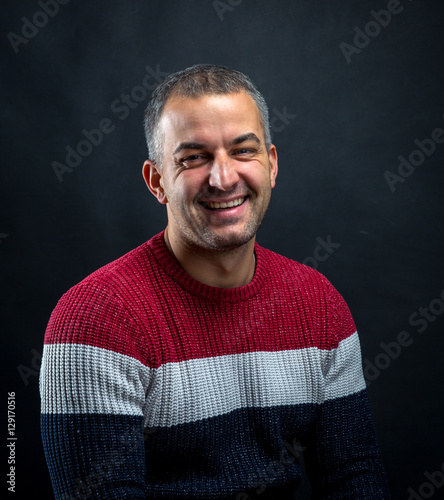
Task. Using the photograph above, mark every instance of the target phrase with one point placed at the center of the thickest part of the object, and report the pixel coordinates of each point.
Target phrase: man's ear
(273, 159)
(153, 178)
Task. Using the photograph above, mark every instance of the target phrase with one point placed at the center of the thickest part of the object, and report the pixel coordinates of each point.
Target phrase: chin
(214, 241)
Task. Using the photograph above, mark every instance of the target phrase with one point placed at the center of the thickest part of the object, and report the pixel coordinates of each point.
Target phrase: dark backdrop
(352, 87)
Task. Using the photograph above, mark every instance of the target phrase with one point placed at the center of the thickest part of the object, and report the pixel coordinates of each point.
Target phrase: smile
(214, 205)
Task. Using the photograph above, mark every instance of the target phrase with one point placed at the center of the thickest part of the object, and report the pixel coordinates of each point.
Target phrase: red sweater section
(144, 305)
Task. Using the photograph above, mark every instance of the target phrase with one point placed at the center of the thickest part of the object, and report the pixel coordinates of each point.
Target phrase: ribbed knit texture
(156, 386)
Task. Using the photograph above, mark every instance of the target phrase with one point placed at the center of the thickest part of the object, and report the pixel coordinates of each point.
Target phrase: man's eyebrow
(245, 137)
(188, 145)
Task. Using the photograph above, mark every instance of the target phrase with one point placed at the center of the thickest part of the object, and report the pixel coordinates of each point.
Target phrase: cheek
(181, 193)
(191, 183)
(258, 177)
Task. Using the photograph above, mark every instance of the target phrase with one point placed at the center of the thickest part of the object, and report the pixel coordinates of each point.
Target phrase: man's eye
(244, 151)
(193, 159)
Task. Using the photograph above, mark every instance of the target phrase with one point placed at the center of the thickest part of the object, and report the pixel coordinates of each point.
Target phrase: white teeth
(233, 203)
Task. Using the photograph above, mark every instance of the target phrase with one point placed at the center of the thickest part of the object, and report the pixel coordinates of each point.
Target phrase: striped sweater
(154, 385)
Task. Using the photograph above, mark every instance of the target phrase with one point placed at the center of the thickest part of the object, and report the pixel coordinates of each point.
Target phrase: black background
(347, 123)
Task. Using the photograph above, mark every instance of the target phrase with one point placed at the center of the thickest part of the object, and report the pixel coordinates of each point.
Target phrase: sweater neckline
(173, 269)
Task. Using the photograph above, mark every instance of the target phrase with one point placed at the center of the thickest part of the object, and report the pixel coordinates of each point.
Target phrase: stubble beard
(202, 237)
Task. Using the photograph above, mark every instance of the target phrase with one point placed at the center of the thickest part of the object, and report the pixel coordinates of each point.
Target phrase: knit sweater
(154, 385)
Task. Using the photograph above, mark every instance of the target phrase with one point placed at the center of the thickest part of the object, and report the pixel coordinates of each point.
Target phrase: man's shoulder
(118, 281)
(299, 285)
(106, 301)
(116, 274)
(286, 269)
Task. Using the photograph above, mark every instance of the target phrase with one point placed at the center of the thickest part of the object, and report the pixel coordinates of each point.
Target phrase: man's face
(217, 175)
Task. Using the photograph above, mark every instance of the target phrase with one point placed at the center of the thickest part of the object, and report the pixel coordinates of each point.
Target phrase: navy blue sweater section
(270, 467)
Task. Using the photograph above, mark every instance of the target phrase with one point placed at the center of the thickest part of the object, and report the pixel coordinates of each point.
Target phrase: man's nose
(223, 174)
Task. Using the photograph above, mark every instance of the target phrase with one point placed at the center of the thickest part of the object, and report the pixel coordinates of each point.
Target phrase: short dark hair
(196, 81)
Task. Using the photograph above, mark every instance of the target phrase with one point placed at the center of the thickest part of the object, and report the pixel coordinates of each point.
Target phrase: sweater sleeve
(342, 456)
(92, 397)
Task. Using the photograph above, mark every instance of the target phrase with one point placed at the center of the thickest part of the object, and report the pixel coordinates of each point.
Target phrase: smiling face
(217, 174)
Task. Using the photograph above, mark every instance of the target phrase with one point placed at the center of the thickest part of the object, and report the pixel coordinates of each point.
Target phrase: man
(201, 365)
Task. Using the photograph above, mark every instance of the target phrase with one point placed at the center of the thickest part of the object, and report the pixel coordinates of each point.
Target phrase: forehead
(209, 117)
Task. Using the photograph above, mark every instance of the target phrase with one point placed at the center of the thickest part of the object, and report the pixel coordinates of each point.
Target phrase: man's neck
(227, 269)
